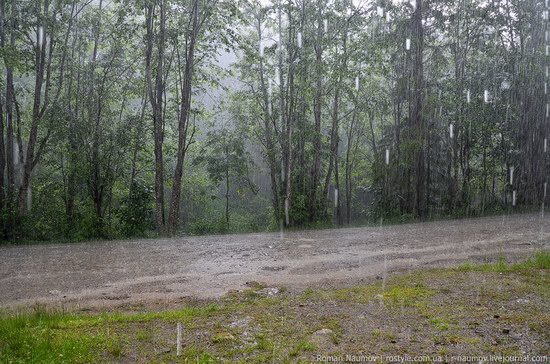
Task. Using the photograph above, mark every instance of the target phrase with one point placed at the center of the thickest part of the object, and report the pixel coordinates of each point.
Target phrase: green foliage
(136, 211)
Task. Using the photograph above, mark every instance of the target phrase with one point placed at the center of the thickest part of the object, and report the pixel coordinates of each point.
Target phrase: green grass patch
(541, 260)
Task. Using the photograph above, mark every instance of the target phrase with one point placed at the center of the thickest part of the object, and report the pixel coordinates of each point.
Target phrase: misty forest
(274, 181)
(125, 118)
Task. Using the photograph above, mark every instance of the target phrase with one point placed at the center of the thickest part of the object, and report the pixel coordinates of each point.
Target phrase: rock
(324, 339)
(323, 332)
(223, 336)
(162, 350)
(244, 322)
(505, 331)
(54, 292)
(522, 300)
(268, 291)
(254, 284)
(496, 316)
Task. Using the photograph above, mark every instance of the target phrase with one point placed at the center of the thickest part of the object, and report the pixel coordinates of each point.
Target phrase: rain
(274, 181)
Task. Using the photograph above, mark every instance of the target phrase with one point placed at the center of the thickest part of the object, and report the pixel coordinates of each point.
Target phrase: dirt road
(208, 266)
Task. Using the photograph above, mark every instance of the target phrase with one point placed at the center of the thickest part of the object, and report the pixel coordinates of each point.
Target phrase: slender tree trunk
(417, 112)
(10, 97)
(183, 124)
(2, 146)
(156, 93)
(40, 64)
(317, 107)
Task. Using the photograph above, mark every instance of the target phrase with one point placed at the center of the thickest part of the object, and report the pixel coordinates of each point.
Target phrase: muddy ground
(164, 270)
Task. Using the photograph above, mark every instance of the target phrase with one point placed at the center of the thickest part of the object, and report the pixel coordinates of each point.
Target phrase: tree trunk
(156, 92)
(183, 123)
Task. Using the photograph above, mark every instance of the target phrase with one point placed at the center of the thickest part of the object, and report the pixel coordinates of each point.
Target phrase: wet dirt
(151, 270)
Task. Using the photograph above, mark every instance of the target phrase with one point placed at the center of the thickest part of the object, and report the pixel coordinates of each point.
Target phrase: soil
(152, 270)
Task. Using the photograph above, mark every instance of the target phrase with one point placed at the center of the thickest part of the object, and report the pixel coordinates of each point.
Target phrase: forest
(123, 118)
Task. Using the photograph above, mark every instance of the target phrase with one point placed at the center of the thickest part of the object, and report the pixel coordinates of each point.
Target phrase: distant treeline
(334, 112)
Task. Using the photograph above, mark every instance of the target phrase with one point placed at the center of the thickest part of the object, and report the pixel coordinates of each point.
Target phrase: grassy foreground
(488, 309)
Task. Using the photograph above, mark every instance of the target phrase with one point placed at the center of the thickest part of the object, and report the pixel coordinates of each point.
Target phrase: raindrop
(287, 217)
(380, 11)
(388, 16)
(468, 96)
(486, 96)
(545, 14)
(282, 171)
(387, 156)
(325, 25)
(545, 88)
(451, 131)
(261, 50)
(547, 50)
(40, 36)
(299, 39)
(547, 71)
(511, 175)
(357, 83)
(335, 197)
(545, 185)
(547, 110)
(269, 93)
(545, 145)
(514, 198)
(408, 44)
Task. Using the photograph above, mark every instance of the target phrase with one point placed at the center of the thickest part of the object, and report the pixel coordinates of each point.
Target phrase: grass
(541, 260)
(456, 311)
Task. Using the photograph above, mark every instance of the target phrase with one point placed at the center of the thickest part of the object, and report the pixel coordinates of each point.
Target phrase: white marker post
(511, 176)
(387, 156)
(451, 131)
(514, 198)
(299, 39)
(468, 96)
(408, 44)
(357, 83)
(178, 339)
(325, 25)
(486, 96)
